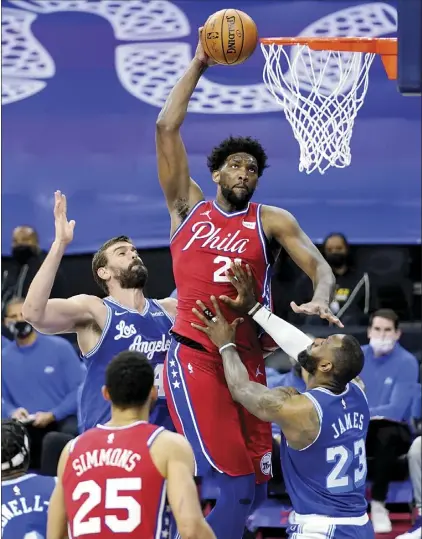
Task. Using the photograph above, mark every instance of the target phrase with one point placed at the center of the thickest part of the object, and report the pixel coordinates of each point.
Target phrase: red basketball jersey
(202, 248)
(111, 486)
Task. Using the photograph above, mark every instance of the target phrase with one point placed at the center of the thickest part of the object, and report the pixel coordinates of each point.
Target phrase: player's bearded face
(134, 276)
(237, 196)
(307, 361)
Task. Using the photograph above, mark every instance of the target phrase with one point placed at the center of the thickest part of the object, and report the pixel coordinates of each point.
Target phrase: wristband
(255, 309)
(226, 346)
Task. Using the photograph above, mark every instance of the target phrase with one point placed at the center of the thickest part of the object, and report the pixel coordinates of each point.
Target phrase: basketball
(229, 36)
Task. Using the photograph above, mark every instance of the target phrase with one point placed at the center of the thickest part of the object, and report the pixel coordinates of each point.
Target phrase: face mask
(381, 346)
(22, 253)
(20, 329)
(336, 260)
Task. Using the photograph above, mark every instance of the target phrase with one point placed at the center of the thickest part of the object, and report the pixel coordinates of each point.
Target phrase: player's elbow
(166, 125)
(30, 313)
(236, 391)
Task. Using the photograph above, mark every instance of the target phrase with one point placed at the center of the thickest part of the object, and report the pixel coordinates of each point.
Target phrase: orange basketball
(229, 36)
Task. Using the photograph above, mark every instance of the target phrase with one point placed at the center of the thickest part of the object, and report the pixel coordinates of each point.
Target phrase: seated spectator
(390, 375)
(54, 443)
(40, 378)
(414, 458)
(353, 299)
(26, 261)
(24, 496)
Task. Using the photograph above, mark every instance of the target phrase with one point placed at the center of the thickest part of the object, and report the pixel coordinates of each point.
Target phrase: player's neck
(325, 384)
(224, 205)
(132, 298)
(123, 418)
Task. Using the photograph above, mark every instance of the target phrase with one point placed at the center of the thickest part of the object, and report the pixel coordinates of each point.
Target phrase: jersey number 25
(113, 500)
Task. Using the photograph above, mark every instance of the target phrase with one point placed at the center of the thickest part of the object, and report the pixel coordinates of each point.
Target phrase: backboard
(409, 32)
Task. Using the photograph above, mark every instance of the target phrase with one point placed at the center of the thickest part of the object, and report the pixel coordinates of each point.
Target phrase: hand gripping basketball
(64, 228)
(200, 53)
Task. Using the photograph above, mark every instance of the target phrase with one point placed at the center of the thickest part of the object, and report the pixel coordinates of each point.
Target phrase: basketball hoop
(321, 86)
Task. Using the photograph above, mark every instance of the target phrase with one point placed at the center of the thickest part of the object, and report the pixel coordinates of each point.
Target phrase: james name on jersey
(350, 421)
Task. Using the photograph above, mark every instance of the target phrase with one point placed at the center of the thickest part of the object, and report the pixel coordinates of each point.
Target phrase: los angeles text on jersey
(349, 421)
(21, 506)
(121, 458)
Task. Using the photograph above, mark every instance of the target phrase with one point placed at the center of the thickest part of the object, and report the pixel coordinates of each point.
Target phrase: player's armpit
(182, 492)
(283, 227)
(169, 305)
(57, 519)
(61, 315)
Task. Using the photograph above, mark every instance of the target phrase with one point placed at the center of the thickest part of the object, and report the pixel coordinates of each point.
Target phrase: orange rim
(386, 47)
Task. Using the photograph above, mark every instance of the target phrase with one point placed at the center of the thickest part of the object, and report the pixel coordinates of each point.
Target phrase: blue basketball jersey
(328, 477)
(125, 329)
(24, 506)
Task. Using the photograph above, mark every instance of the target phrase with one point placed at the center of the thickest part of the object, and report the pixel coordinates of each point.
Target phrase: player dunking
(323, 430)
(128, 476)
(24, 496)
(205, 238)
(124, 320)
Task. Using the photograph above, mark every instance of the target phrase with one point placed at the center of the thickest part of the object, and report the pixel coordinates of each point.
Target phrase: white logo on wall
(266, 467)
(26, 64)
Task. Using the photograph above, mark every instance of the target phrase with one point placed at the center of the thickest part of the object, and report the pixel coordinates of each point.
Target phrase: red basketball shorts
(223, 434)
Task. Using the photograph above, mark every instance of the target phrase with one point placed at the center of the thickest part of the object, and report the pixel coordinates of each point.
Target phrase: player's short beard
(306, 361)
(238, 201)
(134, 277)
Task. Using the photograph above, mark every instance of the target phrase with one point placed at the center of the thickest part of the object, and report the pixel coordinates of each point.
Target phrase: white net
(322, 114)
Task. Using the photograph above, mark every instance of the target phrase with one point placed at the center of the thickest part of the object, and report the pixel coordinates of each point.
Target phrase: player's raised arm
(55, 315)
(181, 489)
(57, 519)
(283, 227)
(180, 190)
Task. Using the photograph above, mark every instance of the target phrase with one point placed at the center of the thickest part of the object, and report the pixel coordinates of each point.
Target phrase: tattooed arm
(293, 412)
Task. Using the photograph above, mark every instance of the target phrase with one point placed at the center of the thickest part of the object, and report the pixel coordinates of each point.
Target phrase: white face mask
(381, 346)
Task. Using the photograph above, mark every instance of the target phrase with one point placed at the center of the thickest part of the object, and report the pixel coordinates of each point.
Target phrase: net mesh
(321, 93)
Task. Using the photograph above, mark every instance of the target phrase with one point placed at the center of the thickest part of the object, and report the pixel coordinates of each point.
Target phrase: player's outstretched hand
(200, 54)
(64, 228)
(318, 308)
(219, 331)
(242, 279)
